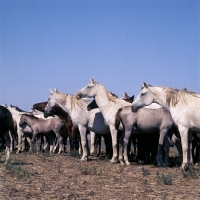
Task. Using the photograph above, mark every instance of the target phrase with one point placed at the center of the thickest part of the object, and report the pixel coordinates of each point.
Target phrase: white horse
(108, 105)
(82, 118)
(184, 107)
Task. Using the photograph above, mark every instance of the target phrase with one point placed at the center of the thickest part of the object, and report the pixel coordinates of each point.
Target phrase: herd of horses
(158, 118)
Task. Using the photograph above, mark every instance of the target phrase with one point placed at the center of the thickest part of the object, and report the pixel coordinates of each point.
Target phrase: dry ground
(32, 176)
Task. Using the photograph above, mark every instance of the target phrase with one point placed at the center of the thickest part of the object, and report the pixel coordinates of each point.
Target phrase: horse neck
(107, 106)
(101, 99)
(160, 98)
(68, 106)
(29, 120)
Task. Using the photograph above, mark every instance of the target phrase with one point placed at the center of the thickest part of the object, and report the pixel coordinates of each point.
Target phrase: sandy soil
(32, 176)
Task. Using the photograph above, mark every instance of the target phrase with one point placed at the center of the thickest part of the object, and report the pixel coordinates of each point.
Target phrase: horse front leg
(84, 143)
(126, 142)
(19, 141)
(60, 141)
(184, 142)
(32, 140)
(7, 138)
(114, 144)
(92, 142)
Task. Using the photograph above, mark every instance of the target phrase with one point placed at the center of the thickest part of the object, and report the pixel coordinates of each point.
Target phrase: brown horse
(73, 132)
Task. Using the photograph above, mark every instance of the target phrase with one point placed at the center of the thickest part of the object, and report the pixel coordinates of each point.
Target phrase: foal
(44, 126)
(142, 121)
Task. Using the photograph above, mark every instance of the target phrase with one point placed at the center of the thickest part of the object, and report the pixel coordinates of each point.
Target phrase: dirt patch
(32, 176)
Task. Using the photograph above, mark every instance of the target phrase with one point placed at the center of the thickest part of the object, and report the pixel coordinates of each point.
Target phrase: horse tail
(10, 123)
(118, 119)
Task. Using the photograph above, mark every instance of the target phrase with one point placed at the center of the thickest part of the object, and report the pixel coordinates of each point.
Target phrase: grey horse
(147, 121)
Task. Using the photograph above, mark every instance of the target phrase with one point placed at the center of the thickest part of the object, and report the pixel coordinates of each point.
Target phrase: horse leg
(114, 144)
(32, 140)
(50, 141)
(126, 142)
(160, 147)
(92, 142)
(56, 145)
(177, 143)
(84, 143)
(184, 142)
(7, 138)
(60, 141)
(166, 148)
(99, 146)
(11, 142)
(19, 141)
(190, 148)
(39, 142)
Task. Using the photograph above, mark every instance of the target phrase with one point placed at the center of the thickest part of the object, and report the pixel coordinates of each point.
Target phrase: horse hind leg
(159, 158)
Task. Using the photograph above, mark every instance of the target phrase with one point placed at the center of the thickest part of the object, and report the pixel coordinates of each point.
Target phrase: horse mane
(31, 116)
(173, 96)
(17, 109)
(73, 100)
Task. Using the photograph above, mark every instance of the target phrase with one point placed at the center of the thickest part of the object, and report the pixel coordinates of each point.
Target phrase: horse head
(52, 102)
(144, 98)
(88, 91)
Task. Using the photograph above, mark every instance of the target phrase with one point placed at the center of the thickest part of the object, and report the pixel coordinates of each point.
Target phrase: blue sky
(62, 44)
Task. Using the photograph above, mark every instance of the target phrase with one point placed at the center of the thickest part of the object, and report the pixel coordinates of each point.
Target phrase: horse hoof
(83, 160)
(113, 161)
(122, 163)
(128, 163)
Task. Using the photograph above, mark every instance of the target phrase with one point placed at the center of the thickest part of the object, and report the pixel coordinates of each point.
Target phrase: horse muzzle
(78, 95)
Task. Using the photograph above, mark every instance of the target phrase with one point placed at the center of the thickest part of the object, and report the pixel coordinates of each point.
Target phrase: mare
(143, 121)
(44, 126)
(6, 126)
(73, 132)
(108, 105)
(183, 106)
(83, 119)
(107, 139)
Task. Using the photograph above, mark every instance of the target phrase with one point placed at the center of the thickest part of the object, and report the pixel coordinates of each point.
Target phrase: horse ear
(126, 95)
(92, 80)
(144, 85)
(51, 92)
